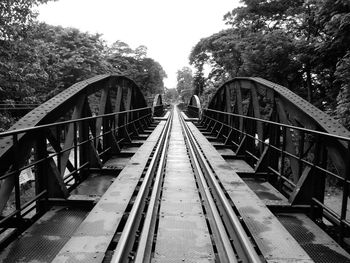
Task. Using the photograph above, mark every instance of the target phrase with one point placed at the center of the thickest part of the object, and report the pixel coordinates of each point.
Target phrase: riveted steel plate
(313, 239)
(266, 192)
(182, 231)
(80, 257)
(33, 249)
(95, 185)
(325, 121)
(183, 195)
(178, 154)
(178, 166)
(179, 180)
(273, 240)
(61, 221)
(183, 239)
(116, 162)
(57, 106)
(42, 241)
(178, 157)
(226, 152)
(328, 123)
(97, 230)
(240, 166)
(181, 208)
(130, 150)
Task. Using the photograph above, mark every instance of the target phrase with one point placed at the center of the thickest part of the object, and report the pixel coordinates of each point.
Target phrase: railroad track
(169, 200)
(148, 187)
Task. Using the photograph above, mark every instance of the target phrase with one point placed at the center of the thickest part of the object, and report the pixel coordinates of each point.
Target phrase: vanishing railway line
(224, 240)
(112, 179)
(234, 246)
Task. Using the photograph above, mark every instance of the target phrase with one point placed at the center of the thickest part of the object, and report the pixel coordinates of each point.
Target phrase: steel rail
(143, 253)
(242, 243)
(222, 240)
(128, 234)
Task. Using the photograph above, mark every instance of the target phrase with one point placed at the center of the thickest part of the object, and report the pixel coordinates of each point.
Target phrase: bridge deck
(273, 240)
(182, 225)
(183, 230)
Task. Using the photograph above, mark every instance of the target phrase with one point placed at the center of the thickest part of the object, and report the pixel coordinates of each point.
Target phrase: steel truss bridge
(96, 174)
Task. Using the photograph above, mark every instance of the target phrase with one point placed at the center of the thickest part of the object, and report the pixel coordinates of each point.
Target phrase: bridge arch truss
(288, 141)
(59, 142)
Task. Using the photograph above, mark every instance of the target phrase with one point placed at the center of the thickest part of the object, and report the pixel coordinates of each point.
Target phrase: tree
(343, 99)
(184, 83)
(48, 60)
(198, 81)
(15, 16)
(170, 95)
(270, 55)
(299, 44)
(38, 60)
(332, 52)
(135, 64)
(140, 52)
(294, 18)
(221, 52)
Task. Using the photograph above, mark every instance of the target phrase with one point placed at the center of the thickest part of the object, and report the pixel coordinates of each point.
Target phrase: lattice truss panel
(74, 146)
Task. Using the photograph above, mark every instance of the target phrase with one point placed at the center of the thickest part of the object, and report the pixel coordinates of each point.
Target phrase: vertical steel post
(273, 155)
(41, 169)
(283, 156)
(75, 144)
(58, 137)
(301, 153)
(84, 155)
(345, 196)
(16, 175)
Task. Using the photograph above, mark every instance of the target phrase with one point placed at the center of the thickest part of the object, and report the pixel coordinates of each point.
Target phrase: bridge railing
(59, 157)
(193, 111)
(194, 107)
(320, 184)
(158, 107)
(158, 110)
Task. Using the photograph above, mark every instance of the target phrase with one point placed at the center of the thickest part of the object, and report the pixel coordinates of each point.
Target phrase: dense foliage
(15, 16)
(184, 83)
(38, 60)
(135, 64)
(52, 58)
(302, 44)
(170, 96)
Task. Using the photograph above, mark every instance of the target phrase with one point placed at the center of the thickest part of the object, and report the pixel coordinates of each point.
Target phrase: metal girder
(250, 99)
(194, 108)
(323, 120)
(71, 104)
(157, 106)
(51, 110)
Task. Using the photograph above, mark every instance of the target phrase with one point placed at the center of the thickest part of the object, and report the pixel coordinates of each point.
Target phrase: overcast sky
(168, 28)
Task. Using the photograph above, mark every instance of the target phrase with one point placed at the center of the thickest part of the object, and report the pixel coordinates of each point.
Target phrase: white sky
(169, 29)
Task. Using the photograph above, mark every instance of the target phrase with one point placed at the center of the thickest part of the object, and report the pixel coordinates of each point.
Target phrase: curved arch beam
(96, 96)
(194, 108)
(320, 119)
(259, 98)
(158, 107)
(52, 109)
